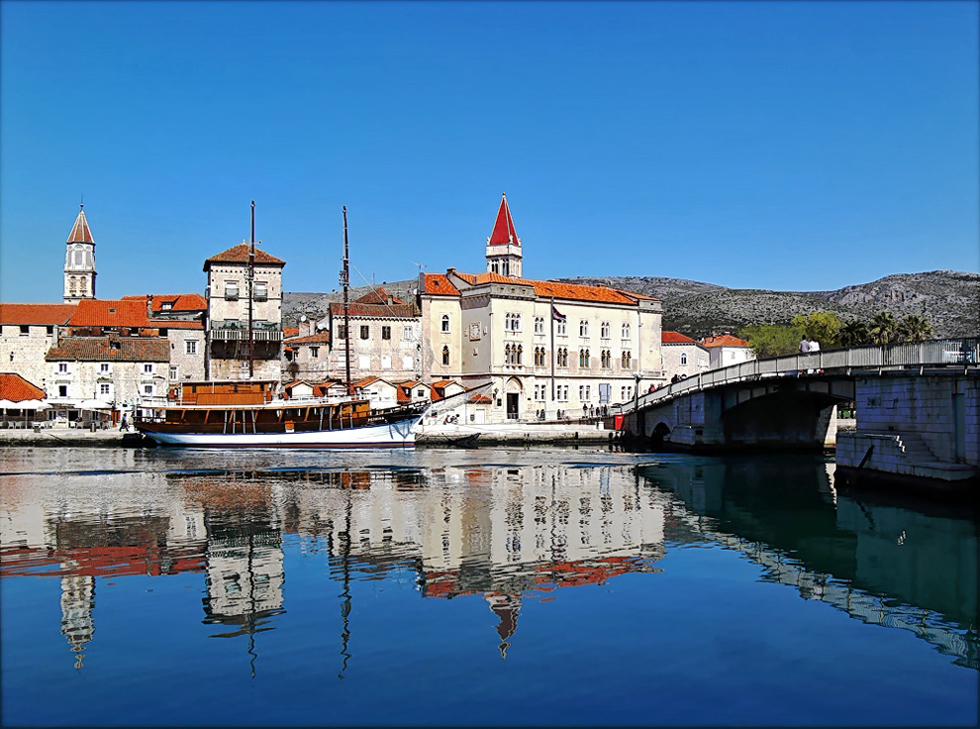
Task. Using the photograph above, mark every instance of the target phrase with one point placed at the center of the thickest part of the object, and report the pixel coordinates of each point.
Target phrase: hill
(950, 300)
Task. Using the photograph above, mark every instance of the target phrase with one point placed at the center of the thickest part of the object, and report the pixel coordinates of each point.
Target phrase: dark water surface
(475, 587)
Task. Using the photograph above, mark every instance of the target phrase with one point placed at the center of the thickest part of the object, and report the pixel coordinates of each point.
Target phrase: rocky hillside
(950, 300)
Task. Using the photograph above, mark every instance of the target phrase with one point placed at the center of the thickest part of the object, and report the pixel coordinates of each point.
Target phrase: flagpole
(554, 354)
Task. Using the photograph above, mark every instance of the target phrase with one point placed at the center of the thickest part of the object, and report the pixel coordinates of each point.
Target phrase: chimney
(149, 306)
(390, 298)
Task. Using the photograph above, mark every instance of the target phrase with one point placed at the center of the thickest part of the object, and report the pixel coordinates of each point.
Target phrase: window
(148, 369)
(539, 325)
(365, 331)
(191, 346)
(605, 359)
(561, 392)
(104, 367)
(62, 390)
(583, 358)
(24, 330)
(386, 361)
(420, 393)
(561, 328)
(683, 358)
(166, 306)
(512, 322)
(104, 388)
(445, 323)
(50, 331)
(173, 372)
(585, 393)
(62, 367)
(519, 354)
(445, 355)
(261, 292)
(626, 331)
(341, 332)
(231, 290)
(314, 352)
(407, 334)
(147, 389)
(386, 332)
(561, 357)
(627, 360)
(539, 356)
(604, 330)
(583, 328)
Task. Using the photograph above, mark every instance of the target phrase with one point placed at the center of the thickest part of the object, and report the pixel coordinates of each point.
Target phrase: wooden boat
(248, 413)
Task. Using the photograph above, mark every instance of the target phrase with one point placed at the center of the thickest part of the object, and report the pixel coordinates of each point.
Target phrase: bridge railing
(965, 351)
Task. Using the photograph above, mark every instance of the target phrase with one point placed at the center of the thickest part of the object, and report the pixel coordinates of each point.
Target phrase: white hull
(388, 435)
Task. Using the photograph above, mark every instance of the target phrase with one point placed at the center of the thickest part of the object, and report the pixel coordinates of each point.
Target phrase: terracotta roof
(99, 349)
(675, 338)
(481, 399)
(80, 232)
(103, 313)
(436, 284)
(178, 302)
(504, 232)
(36, 314)
(395, 311)
(288, 332)
(442, 383)
(378, 296)
(724, 340)
(239, 254)
(15, 388)
(321, 338)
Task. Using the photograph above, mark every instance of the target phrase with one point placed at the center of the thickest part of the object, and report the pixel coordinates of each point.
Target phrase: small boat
(249, 413)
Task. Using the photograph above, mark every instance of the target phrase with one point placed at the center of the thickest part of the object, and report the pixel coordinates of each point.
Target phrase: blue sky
(780, 145)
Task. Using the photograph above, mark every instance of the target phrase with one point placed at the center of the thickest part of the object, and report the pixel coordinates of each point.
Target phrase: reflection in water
(507, 533)
(884, 564)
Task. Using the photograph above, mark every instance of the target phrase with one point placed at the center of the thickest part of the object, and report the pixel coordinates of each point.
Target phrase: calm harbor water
(518, 587)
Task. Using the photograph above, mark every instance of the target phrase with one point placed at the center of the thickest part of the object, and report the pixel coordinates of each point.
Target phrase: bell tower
(80, 261)
(504, 254)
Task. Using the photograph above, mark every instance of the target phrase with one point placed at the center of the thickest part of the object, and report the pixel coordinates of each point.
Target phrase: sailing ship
(252, 413)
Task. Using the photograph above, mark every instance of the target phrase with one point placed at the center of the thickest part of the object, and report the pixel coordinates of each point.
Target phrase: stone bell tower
(80, 262)
(504, 254)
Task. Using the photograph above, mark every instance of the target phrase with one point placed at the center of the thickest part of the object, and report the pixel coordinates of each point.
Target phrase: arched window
(627, 360)
(626, 331)
(445, 355)
(507, 354)
(583, 358)
(519, 354)
(445, 322)
(683, 358)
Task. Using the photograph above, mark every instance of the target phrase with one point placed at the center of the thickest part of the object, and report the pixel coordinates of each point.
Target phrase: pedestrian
(123, 425)
(814, 345)
(804, 345)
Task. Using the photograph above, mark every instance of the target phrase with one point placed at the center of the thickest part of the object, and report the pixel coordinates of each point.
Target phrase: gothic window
(583, 358)
(539, 325)
(605, 359)
(519, 354)
(604, 330)
(583, 328)
(445, 323)
(683, 358)
(627, 360)
(445, 355)
(626, 331)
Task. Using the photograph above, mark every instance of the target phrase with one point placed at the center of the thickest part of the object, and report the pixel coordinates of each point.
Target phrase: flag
(557, 316)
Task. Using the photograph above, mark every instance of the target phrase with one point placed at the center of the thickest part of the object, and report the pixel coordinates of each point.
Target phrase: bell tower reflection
(77, 603)
(507, 608)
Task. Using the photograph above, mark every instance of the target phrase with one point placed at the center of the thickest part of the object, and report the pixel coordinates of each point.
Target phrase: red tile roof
(80, 232)
(288, 332)
(178, 302)
(99, 349)
(724, 340)
(378, 296)
(436, 284)
(15, 388)
(321, 338)
(675, 338)
(239, 254)
(439, 284)
(504, 232)
(36, 314)
(104, 313)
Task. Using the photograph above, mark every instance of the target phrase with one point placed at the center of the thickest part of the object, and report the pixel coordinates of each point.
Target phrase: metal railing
(940, 352)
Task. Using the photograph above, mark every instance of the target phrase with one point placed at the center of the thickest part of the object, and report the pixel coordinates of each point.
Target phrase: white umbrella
(93, 404)
(7, 404)
(35, 404)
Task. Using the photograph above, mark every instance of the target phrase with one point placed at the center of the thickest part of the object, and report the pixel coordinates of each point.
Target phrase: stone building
(80, 261)
(683, 356)
(232, 298)
(27, 332)
(725, 350)
(548, 349)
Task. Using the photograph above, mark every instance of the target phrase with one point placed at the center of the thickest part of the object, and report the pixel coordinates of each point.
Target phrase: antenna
(420, 265)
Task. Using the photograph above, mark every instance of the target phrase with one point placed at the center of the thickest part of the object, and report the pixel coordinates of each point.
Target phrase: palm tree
(853, 334)
(914, 328)
(883, 327)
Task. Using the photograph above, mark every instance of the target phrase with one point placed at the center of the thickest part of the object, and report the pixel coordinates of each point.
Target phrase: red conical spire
(503, 229)
(80, 232)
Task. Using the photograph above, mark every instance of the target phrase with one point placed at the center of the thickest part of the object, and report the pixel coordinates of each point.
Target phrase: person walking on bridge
(804, 345)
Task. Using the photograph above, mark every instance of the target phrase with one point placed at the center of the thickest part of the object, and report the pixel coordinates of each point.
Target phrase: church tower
(503, 246)
(80, 262)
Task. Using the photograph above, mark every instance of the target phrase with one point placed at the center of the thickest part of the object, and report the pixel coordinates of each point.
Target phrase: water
(475, 587)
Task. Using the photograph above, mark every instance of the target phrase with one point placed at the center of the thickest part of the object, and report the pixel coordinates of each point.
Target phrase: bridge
(917, 407)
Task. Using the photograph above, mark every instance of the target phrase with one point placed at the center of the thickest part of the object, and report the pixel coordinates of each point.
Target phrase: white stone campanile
(80, 262)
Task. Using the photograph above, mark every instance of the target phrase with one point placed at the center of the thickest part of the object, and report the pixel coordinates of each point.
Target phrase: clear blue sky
(780, 145)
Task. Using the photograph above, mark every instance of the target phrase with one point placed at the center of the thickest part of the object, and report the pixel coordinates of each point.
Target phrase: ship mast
(345, 282)
(251, 279)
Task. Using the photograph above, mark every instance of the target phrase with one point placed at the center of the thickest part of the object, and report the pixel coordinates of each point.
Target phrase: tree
(883, 328)
(771, 340)
(914, 328)
(820, 325)
(853, 334)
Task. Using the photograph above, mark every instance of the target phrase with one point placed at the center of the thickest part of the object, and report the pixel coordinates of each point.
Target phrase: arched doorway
(514, 392)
